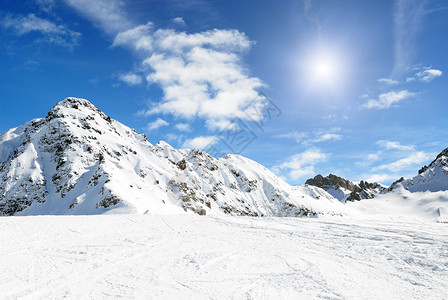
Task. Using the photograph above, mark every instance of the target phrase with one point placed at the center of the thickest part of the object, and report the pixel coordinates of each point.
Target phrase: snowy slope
(77, 160)
(192, 257)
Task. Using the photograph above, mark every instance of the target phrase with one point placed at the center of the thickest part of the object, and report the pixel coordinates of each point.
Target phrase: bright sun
(324, 70)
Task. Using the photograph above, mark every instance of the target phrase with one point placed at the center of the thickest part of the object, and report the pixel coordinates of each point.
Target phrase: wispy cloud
(317, 136)
(219, 124)
(388, 81)
(200, 142)
(52, 33)
(380, 177)
(389, 145)
(393, 160)
(301, 165)
(388, 100)
(157, 124)
(310, 13)
(109, 15)
(426, 75)
(185, 127)
(408, 23)
(138, 37)
(131, 79)
(414, 159)
(327, 137)
(298, 137)
(46, 5)
(179, 21)
(429, 75)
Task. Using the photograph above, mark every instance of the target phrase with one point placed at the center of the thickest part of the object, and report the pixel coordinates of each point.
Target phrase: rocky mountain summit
(77, 160)
(346, 190)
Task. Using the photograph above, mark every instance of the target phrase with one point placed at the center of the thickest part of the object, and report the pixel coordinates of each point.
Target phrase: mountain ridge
(77, 160)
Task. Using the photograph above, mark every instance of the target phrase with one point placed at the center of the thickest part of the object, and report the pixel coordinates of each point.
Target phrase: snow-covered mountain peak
(76, 104)
(80, 113)
(432, 178)
(77, 160)
(441, 161)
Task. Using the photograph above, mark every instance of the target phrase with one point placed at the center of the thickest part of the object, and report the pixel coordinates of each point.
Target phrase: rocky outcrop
(346, 190)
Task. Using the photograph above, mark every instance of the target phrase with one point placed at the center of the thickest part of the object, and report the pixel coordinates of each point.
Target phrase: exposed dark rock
(363, 190)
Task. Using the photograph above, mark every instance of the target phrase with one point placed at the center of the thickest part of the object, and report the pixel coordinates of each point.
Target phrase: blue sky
(353, 88)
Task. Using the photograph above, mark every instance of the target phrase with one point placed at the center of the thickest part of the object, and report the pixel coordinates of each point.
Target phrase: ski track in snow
(189, 256)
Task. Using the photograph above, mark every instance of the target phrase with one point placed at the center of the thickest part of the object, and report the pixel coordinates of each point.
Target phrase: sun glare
(324, 71)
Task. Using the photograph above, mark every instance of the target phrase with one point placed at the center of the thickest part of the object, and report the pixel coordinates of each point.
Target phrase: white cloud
(388, 81)
(201, 142)
(183, 127)
(414, 159)
(202, 82)
(364, 96)
(392, 161)
(138, 37)
(46, 5)
(372, 157)
(157, 124)
(55, 34)
(201, 74)
(107, 14)
(428, 75)
(334, 117)
(172, 137)
(389, 145)
(327, 137)
(298, 137)
(307, 138)
(170, 40)
(386, 100)
(131, 79)
(213, 124)
(381, 177)
(302, 164)
(179, 21)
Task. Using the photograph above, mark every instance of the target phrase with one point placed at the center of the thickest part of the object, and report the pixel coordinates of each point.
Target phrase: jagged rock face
(77, 160)
(346, 190)
(433, 177)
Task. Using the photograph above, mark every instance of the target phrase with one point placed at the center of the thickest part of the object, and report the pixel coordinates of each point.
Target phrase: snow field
(218, 257)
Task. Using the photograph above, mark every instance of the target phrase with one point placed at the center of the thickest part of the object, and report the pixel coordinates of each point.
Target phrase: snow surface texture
(77, 160)
(221, 257)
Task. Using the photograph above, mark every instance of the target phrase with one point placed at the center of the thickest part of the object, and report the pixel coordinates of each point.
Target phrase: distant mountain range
(77, 160)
